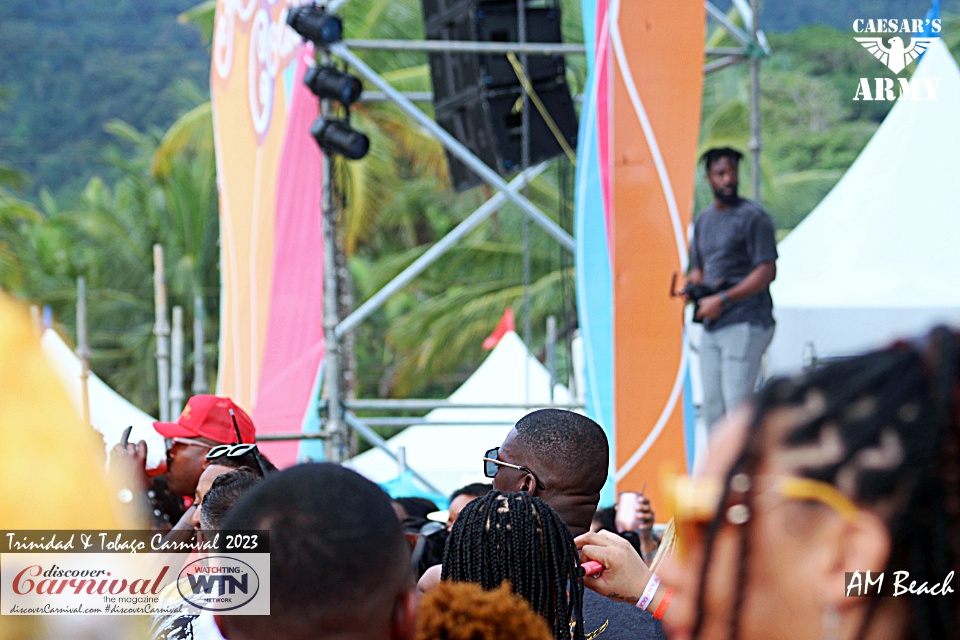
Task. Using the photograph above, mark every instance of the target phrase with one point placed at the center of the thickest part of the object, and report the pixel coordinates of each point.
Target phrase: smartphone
(627, 505)
(125, 438)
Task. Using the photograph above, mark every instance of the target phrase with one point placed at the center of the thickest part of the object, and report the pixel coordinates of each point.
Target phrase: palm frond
(201, 16)
(12, 178)
(446, 332)
(128, 133)
(193, 131)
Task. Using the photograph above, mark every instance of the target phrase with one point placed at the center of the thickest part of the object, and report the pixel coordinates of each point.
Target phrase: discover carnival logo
(896, 52)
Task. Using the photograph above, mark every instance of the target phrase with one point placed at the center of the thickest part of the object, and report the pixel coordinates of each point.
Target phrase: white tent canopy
(110, 413)
(448, 455)
(876, 258)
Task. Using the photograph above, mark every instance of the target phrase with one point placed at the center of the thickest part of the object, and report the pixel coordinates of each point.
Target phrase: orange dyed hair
(465, 611)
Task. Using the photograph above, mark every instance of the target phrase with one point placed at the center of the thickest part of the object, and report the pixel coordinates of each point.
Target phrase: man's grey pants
(729, 363)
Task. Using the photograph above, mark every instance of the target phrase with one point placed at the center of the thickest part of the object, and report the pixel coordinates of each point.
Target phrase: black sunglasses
(238, 449)
(491, 464)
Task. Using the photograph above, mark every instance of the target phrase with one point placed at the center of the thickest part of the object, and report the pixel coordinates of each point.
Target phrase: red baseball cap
(208, 416)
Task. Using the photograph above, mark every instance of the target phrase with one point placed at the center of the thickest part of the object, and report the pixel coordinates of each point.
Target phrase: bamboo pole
(83, 348)
(199, 368)
(176, 363)
(161, 329)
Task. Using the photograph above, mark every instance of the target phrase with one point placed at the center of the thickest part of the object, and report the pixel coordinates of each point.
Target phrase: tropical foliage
(107, 236)
(96, 205)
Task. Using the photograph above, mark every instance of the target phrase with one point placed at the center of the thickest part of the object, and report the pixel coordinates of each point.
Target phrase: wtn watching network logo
(218, 583)
(897, 55)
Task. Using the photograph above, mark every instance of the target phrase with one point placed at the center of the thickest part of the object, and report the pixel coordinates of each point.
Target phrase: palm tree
(15, 214)
(435, 326)
(108, 237)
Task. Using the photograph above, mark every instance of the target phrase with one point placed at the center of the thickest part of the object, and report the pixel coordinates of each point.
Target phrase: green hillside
(72, 67)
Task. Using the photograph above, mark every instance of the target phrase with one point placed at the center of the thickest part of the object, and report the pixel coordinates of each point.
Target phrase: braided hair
(520, 539)
(883, 428)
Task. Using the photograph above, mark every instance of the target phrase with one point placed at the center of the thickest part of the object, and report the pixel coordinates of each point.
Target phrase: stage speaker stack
(478, 97)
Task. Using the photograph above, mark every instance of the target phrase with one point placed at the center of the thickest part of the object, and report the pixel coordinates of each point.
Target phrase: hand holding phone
(133, 461)
(628, 503)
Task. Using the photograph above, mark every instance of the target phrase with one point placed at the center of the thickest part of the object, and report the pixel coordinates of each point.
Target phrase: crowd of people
(346, 560)
(848, 468)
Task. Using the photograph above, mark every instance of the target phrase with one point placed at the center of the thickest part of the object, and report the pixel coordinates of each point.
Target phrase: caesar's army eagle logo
(896, 55)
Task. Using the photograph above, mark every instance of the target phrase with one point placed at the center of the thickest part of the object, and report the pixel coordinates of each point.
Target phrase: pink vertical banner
(271, 257)
(294, 342)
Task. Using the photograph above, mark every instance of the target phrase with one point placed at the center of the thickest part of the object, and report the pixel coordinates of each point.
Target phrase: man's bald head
(572, 448)
(568, 453)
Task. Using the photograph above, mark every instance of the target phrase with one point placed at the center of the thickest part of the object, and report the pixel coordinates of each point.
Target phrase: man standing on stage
(733, 250)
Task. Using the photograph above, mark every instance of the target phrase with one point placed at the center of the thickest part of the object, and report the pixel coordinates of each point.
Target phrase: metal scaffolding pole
(725, 51)
(738, 34)
(524, 163)
(334, 428)
(374, 438)
(423, 422)
(722, 63)
(282, 437)
(425, 404)
(755, 144)
(470, 46)
(433, 253)
(413, 96)
(552, 352)
(455, 147)
(755, 48)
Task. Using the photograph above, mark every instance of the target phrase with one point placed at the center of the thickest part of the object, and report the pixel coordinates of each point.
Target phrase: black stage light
(315, 24)
(337, 137)
(330, 82)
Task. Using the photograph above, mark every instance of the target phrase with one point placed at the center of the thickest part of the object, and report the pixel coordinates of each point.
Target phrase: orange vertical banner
(656, 86)
(253, 49)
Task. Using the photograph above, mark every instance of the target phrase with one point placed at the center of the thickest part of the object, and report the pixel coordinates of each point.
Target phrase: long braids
(935, 617)
(736, 485)
(520, 539)
(884, 429)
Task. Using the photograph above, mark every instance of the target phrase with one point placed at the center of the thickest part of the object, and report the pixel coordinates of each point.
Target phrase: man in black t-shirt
(733, 250)
(562, 457)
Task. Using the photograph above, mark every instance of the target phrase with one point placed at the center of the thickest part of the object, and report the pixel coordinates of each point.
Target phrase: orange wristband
(664, 603)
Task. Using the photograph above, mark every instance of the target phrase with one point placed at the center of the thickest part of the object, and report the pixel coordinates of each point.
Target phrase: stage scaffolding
(338, 414)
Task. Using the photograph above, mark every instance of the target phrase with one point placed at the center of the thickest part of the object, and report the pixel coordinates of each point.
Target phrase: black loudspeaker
(489, 123)
(478, 98)
(498, 23)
